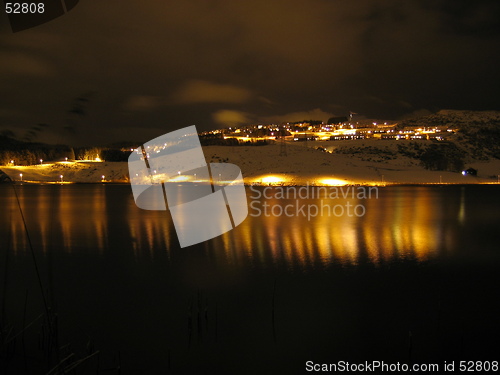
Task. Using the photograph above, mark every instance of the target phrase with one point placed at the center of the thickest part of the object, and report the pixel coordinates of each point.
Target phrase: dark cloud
(19, 64)
(197, 91)
(314, 114)
(228, 118)
(144, 103)
(166, 64)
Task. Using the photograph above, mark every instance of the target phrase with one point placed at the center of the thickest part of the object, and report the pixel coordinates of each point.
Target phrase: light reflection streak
(78, 217)
(403, 224)
(461, 213)
(407, 224)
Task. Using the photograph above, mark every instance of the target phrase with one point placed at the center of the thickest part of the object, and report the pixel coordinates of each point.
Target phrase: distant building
(304, 138)
(470, 172)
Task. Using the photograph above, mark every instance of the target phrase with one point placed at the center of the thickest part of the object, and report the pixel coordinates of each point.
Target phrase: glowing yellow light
(179, 178)
(332, 182)
(272, 179)
(98, 158)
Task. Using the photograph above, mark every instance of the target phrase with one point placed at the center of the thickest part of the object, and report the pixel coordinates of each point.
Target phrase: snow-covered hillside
(476, 144)
(264, 164)
(478, 132)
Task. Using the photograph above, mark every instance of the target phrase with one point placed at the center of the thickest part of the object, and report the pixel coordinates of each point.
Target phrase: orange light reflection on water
(405, 224)
(399, 226)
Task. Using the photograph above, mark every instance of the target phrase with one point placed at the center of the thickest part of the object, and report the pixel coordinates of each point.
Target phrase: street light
(21, 175)
(61, 176)
(102, 178)
(41, 161)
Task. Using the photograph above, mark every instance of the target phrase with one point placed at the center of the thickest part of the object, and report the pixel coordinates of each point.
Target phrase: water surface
(422, 262)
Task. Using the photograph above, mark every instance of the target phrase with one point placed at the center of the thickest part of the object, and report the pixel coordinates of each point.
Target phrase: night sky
(148, 67)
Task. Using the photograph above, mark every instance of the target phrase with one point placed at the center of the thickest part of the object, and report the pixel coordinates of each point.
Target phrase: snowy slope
(302, 164)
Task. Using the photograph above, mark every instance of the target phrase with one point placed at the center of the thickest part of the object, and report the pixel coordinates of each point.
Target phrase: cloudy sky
(147, 67)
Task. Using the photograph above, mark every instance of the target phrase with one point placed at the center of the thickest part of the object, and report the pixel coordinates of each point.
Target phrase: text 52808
(24, 8)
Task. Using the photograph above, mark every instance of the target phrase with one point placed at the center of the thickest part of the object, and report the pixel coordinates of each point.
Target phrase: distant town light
(332, 182)
(41, 161)
(179, 178)
(272, 179)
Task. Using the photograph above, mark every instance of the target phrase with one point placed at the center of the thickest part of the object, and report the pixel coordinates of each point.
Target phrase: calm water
(422, 262)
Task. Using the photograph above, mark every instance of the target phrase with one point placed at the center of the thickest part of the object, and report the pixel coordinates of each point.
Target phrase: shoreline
(248, 185)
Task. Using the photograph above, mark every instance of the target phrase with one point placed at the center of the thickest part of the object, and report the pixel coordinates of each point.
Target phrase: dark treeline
(30, 153)
(103, 153)
(442, 156)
